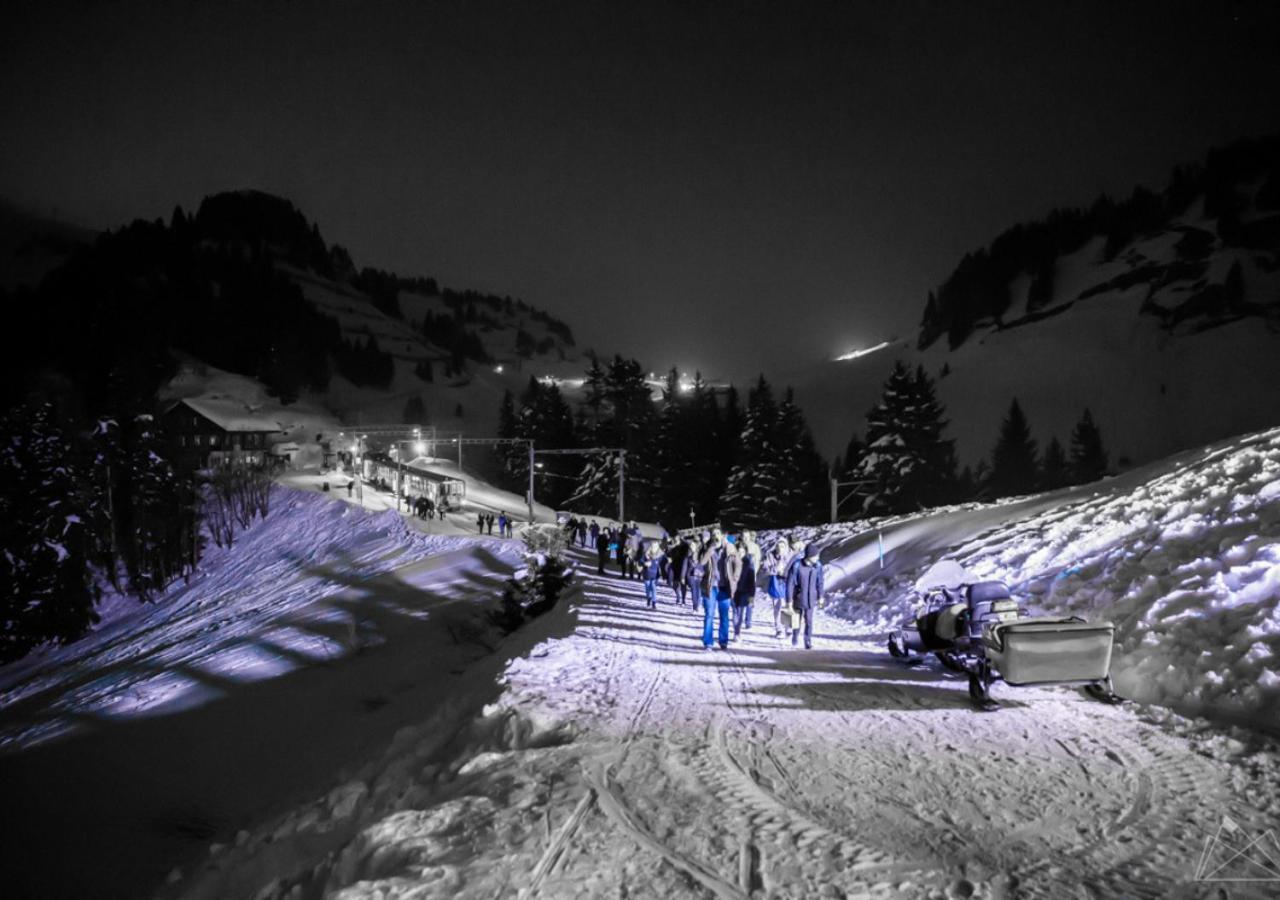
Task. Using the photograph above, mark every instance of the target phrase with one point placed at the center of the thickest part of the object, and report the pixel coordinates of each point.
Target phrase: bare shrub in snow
(534, 589)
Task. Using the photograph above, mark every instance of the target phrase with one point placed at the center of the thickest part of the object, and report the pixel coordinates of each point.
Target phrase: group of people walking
(485, 522)
(425, 508)
(721, 576)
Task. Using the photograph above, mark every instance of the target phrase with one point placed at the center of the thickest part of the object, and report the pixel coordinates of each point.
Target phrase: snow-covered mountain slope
(1183, 556)
(1171, 337)
(478, 391)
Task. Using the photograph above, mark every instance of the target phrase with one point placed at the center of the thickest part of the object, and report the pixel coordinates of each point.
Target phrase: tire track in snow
(774, 816)
(556, 849)
(1166, 788)
(618, 813)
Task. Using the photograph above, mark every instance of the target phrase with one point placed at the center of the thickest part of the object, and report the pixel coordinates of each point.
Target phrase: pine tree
(723, 450)
(622, 407)
(706, 436)
(674, 452)
(547, 420)
(935, 483)
(1088, 458)
(907, 463)
(1054, 472)
(513, 459)
(46, 592)
(802, 473)
(1014, 469)
(752, 496)
(158, 539)
(848, 463)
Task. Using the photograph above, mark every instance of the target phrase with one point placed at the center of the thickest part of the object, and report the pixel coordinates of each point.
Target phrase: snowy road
(623, 760)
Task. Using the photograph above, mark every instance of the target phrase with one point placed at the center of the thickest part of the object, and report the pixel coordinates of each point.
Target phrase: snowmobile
(976, 628)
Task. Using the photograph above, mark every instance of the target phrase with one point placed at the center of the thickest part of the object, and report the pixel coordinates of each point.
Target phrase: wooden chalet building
(208, 432)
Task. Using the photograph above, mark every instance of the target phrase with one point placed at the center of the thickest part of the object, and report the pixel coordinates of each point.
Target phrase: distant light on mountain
(854, 354)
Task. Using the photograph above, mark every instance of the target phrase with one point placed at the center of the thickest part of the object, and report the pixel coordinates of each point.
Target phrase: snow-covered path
(623, 760)
(808, 771)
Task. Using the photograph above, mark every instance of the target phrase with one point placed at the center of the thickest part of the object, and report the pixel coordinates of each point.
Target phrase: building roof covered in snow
(228, 414)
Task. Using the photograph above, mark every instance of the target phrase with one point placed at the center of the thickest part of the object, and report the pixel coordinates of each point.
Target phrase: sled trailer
(1044, 651)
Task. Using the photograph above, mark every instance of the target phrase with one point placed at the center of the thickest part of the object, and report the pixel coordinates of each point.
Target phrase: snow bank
(1184, 558)
(256, 610)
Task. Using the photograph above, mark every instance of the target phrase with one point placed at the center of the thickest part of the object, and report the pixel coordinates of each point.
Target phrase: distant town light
(419, 448)
(498, 369)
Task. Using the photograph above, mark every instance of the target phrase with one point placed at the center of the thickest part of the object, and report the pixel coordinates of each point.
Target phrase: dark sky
(726, 185)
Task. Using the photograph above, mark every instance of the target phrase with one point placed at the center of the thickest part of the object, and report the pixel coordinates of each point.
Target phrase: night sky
(732, 186)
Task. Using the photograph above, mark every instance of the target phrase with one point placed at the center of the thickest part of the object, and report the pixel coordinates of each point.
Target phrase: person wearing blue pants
(723, 570)
(650, 570)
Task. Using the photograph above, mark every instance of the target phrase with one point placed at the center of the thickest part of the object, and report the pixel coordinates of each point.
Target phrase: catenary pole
(531, 466)
(622, 486)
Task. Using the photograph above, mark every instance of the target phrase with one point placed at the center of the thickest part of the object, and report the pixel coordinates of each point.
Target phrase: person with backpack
(502, 524)
(804, 591)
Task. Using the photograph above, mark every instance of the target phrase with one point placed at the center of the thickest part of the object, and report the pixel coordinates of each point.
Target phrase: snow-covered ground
(623, 760)
(602, 752)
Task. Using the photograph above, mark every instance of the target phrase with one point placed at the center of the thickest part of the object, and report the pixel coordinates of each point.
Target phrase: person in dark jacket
(594, 531)
(624, 560)
(602, 550)
(678, 570)
(650, 570)
(480, 523)
(695, 576)
(744, 595)
(804, 590)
